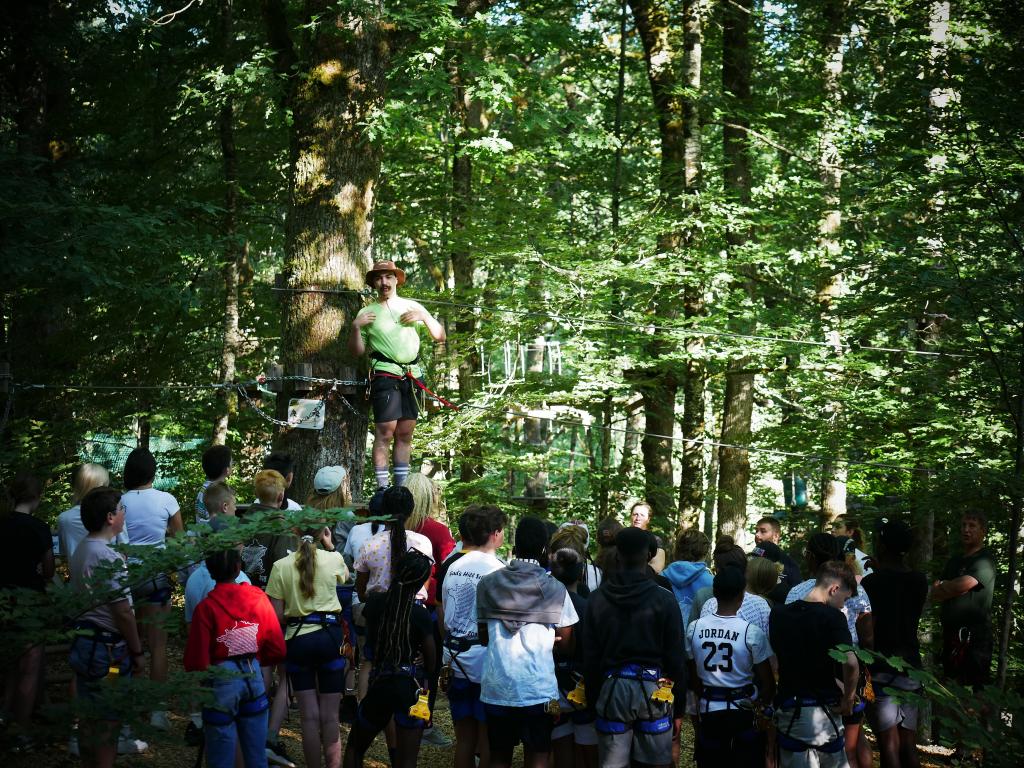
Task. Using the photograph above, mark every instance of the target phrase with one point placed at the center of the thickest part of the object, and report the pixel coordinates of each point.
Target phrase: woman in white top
(70, 530)
(150, 515)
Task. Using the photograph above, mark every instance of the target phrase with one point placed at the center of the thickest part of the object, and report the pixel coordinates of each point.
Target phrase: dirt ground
(168, 750)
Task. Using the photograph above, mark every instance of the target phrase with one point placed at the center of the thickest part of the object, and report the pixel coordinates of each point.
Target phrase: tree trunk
(337, 85)
(738, 406)
(471, 122)
(691, 475)
(233, 251)
(659, 383)
(832, 285)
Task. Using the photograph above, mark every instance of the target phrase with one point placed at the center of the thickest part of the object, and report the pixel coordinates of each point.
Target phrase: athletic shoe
(436, 737)
(129, 745)
(159, 720)
(73, 745)
(277, 754)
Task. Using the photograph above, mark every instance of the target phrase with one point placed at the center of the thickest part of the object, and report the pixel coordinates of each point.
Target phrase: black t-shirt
(802, 634)
(24, 540)
(442, 571)
(790, 573)
(897, 599)
(421, 626)
(973, 609)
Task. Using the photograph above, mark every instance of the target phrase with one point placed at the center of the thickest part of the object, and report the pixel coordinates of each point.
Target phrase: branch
(167, 18)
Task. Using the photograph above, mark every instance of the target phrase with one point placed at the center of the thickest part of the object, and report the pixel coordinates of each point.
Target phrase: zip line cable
(240, 389)
(620, 323)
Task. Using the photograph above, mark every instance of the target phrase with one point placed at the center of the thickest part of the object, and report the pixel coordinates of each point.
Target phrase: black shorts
(315, 661)
(393, 399)
(507, 726)
(390, 696)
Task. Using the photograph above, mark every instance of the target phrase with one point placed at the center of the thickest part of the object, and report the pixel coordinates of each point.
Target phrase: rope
(683, 330)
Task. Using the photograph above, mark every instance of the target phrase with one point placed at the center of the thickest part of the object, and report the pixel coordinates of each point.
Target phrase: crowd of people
(586, 651)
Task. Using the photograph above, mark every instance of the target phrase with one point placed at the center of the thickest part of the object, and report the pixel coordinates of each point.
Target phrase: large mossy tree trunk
(338, 78)
(738, 405)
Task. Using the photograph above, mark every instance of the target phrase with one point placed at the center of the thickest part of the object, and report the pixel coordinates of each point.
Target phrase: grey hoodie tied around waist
(521, 593)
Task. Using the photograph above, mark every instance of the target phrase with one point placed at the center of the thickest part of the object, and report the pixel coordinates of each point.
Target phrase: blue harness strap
(635, 672)
(722, 694)
(658, 725)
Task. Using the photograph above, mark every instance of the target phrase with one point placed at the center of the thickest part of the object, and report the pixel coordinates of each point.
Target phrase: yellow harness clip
(421, 709)
(663, 692)
(578, 695)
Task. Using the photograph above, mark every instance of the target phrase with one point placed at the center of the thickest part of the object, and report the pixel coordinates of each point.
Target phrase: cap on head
(895, 536)
(328, 479)
(769, 550)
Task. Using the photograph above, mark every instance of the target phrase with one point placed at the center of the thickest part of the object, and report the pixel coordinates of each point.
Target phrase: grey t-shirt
(89, 555)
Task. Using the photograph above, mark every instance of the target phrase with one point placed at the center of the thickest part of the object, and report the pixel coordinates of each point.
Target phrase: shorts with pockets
(393, 399)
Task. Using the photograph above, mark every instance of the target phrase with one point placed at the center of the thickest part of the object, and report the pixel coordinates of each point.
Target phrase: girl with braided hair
(405, 658)
(303, 590)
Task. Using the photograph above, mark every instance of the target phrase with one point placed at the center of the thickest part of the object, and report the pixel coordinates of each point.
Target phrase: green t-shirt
(973, 609)
(391, 337)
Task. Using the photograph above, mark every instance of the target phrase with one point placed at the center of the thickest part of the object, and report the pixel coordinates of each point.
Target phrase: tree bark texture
(832, 284)
(662, 56)
(692, 469)
(738, 406)
(339, 83)
(234, 252)
(470, 121)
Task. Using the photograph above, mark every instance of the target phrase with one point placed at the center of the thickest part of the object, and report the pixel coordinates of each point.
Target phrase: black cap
(768, 550)
(895, 535)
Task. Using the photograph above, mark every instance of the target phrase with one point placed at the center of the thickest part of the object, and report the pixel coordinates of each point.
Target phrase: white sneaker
(436, 737)
(160, 721)
(127, 745)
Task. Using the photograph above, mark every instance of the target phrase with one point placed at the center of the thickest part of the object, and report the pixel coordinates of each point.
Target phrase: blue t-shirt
(199, 585)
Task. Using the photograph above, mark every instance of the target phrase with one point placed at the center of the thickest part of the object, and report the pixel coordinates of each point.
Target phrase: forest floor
(168, 749)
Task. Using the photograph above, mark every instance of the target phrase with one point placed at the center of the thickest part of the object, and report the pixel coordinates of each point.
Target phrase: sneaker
(73, 745)
(277, 754)
(436, 737)
(159, 720)
(129, 745)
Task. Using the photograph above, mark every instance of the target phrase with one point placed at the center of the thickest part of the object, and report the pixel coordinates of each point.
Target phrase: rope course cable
(680, 329)
(240, 388)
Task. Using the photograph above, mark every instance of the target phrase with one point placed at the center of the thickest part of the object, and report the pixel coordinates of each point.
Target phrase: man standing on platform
(386, 330)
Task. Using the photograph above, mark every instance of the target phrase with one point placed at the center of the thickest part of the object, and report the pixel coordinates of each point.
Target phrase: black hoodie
(633, 621)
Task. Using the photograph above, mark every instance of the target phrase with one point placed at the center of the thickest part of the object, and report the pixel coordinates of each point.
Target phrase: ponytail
(305, 563)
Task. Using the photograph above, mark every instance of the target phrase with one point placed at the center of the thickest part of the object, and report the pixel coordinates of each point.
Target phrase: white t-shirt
(147, 514)
(754, 609)
(290, 506)
(357, 536)
(71, 531)
(519, 669)
(459, 602)
(594, 577)
(724, 650)
(853, 608)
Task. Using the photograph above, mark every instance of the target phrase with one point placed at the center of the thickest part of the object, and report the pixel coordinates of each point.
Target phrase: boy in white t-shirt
(483, 531)
(522, 615)
(730, 659)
